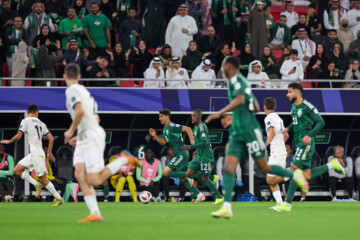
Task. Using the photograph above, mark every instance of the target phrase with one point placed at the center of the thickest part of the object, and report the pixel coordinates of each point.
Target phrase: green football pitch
(308, 220)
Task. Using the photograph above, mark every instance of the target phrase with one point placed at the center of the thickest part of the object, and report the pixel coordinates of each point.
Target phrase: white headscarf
(254, 63)
(199, 73)
(151, 72)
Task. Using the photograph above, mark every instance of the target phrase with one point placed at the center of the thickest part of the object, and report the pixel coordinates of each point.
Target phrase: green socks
(197, 177)
(229, 182)
(318, 171)
(194, 190)
(279, 171)
(68, 188)
(291, 192)
(210, 185)
(106, 191)
(177, 174)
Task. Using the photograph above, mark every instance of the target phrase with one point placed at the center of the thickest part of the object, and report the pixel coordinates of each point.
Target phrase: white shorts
(35, 162)
(91, 152)
(277, 160)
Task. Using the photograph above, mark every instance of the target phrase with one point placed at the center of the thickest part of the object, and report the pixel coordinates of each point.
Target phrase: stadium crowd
(176, 41)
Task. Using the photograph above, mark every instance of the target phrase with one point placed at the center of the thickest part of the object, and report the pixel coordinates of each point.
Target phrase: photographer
(102, 70)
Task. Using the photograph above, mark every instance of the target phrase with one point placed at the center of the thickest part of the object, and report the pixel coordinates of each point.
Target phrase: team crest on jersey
(268, 123)
(73, 99)
(299, 112)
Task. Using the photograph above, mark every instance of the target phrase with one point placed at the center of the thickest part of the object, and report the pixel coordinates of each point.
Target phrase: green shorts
(4, 180)
(179, 162)
(303, 156)
(241, 145)
(205, 167)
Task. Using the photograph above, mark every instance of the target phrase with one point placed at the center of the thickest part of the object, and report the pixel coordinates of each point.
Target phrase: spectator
(180, 31)
(229, 10)
(330, 41)
(353, 74)
(285, 56)
(125, 174)
(97, 31)
(222, 53)
(257, 29)
(331, 73)
(192, 57)
(292, 69)
(333, 15)
(110, 12)
(304, 46)
(317, 63)
(335, 177)
(130, 30)
(357, 172)
(19, 66)
(204, 72)
(35, 20)
(120, 61)
(279, 34)
(340, 59)
(313, 22)
(122, 7)
(102, 70)
(176, 75)
(89, 3)
(245, 58)
(7, 16)
(142, 59)
(80, 9)
(6, 174)
(47, 39)
(44, 66)
(291, 15)
(255, 73)
(56, 9)
(165, 56)
(301, 24)
(354, 16)
(269, 63)
(87, 56)
(74, 55)
(242, 30)
(196, 10)
(154, 72)
(71, 28)
(13, 35)
(354, 48)
(149, 174)
(345, 35)
(210, 43)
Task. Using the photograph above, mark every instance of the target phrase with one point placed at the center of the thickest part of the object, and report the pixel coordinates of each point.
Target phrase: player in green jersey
(306, 123)
(204, 159)
(245, 135)
(178, 165)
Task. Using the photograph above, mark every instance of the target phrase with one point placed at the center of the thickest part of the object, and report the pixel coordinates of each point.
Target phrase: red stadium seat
(277, 54)
(152, 51)
(237, 52)
(275, 11)
(347, 53)
(132, 70)
(301, 9)
(129, 84)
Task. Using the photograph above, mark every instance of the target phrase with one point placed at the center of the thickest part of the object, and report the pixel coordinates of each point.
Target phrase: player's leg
(2, 190)
(193, 170)
(119, 188)
(206, 169)
(275, 189)
(106, 190)
(132, 187)
(20, 170)
(50, 187)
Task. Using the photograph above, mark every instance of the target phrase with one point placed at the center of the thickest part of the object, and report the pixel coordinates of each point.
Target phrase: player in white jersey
(274, 126)
(35, 130)
(90, 142)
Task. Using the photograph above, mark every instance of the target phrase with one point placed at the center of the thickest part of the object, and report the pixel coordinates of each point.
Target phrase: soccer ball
(145, 197)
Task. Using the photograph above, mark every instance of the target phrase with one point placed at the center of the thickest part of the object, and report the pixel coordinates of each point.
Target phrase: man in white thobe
(154, 72)
(354, 16)
(204, 72)
(291, 69)
(334, 15)
(305, 47)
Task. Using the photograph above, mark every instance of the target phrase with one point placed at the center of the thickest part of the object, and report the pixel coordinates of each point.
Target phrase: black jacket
(205, 45)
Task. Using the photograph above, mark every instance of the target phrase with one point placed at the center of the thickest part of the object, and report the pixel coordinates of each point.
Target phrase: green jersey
(202, 143)
(172, 135)
(96, 26)
(244, 119)
(139, 151)
(75, 27)
(303, 118)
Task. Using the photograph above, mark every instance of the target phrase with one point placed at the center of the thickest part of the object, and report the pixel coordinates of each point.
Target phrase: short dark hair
(148, 148)
(234, 61)
(6, 1)
(284, 16)
(165, 111)
(198, 111)
(270, 103)
(94, 3)
(295, 85)
(294, 51)
(72, 8)
(132, 8)
(33, 108)
(72, 70)
(332, 30)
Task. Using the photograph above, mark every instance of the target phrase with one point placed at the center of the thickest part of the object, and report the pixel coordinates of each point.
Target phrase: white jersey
(277, 145)
(89, 125)
(35, 130)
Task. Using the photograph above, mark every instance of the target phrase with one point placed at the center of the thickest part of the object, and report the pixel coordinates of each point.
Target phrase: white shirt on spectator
(150, 73)
(353, 23)
(287, 66)
(261, 76)
(336, 20)
(304, 47)
(292, 18)
(219, 169)
(199, 73)
(51, 26)
(176, 38)
(279, 37)
(170, 81)
(348, 168)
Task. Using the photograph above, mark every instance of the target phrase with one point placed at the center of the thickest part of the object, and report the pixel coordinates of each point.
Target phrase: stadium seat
(275, 11)
(355, 153)
(113, 151)
(64, 156)
(237, 52)
(132, 70)
(129, 83)
(219, 151)
(152, 51)
(277, 54)
(329, 151)
(301, 9)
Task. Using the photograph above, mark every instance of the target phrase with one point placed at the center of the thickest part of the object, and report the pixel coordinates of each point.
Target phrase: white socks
(115, 165)
(278, 198)
(92, 205)
(330, 165)
(227, 205)
(25, 175)
(50, 187)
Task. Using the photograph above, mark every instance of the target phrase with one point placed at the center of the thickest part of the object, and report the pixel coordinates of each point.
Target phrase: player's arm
(319, 122)
(13, 139)
(10, 171)
(286, 136)
(160, 140)
(138, 175)
(49, 154)
(159, 174)
(189, 133)
(271, 136)
(256, 107)
(79, 114)
(238, 101)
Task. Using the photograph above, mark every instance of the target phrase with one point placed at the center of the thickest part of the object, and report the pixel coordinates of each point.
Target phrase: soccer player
(306, 123)
(245, 135)
(90, 142)
(35, 130)
(178, 165)
(274, 127)
(204, 159)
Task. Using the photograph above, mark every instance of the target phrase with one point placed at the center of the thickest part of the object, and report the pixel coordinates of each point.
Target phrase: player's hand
(239, 183)
(152, 132)
(221, 182)
(186, 147)
(306, 140)
(59, 181)
(72, 142)
(226, 121)
(50, 157)
(5, 142)
(67, 135)
(213, 117)
(151, 183)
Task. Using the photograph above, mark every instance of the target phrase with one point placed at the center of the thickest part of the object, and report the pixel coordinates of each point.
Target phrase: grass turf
(308, 220)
